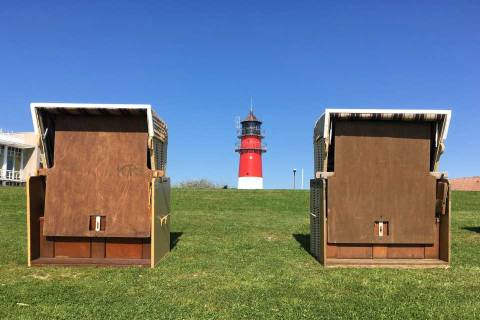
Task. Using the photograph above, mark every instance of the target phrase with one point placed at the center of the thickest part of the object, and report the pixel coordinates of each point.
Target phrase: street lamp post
(294, 171)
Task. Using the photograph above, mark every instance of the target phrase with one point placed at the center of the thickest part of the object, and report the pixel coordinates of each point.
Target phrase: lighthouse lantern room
(250, 148)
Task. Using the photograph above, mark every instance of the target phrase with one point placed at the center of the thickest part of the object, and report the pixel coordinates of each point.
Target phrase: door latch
(97, 223)
(381, 229)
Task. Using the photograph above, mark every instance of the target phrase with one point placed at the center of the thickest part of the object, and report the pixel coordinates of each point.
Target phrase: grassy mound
(238, 254)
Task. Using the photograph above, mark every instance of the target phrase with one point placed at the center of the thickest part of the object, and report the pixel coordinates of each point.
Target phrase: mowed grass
(239, 255)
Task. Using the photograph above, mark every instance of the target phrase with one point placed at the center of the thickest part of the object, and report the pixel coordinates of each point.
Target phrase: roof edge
(328, 111)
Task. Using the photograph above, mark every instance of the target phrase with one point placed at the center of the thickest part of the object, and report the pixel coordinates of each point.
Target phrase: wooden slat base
(91, 262)
(386, 263)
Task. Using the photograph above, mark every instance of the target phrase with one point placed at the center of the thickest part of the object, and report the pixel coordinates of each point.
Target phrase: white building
(19, 157)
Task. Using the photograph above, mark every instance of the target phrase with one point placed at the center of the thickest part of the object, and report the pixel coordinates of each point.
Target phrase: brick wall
(466, 184)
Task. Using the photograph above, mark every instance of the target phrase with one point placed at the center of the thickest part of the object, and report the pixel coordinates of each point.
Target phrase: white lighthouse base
(250, 183)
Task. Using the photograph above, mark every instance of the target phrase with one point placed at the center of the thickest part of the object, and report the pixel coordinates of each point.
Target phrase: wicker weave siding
(160, 142)
(317, 219)
(319, 154)
(159, 129)
(160, 154)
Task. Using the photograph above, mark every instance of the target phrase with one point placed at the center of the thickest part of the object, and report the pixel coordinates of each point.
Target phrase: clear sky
(198, 63)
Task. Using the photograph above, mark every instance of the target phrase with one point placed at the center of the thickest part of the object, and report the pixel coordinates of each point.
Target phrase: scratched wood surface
(100, 168)
(382, 174)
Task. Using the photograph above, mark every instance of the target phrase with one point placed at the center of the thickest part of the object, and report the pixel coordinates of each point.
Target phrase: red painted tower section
(250, 174)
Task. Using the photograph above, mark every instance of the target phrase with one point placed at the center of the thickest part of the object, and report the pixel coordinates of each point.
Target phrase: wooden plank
(35, 190)
(72, 247)
(146, 249)
(331, 251)
(381, 174)
(46, 243)
(160, 243)
(122, 248)
(153, 226)
(97, 248)
(445, 233)
(379, 251)
(90, 262)
(29, 226)
(357, 251)
(432, 251)
(406, 252)
(442, 194)
(387, 263)
(162, 239)
(100, 169)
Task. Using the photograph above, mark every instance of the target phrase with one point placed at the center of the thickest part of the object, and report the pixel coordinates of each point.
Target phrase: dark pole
(294, 171)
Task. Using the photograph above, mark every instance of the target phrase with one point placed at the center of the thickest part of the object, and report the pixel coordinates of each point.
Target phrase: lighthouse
(250, 149)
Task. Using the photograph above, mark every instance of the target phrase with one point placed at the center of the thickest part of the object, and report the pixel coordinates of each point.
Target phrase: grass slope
(239, 255)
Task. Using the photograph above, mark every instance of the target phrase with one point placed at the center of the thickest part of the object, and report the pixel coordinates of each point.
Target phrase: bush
(199, 184)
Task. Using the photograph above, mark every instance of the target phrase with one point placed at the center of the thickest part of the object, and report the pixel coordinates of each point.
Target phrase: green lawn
(238, 256)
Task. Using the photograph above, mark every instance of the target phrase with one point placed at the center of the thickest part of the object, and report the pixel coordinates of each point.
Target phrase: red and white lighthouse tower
(250, 148)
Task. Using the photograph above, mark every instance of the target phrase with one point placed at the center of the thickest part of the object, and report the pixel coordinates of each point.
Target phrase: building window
(2, 154)
(14, 156)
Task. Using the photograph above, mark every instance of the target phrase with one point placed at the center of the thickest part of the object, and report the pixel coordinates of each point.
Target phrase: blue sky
(198, 63)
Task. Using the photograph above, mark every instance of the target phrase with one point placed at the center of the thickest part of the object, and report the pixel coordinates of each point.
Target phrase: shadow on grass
(303, 240)
(174, 239)
(473, 229)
